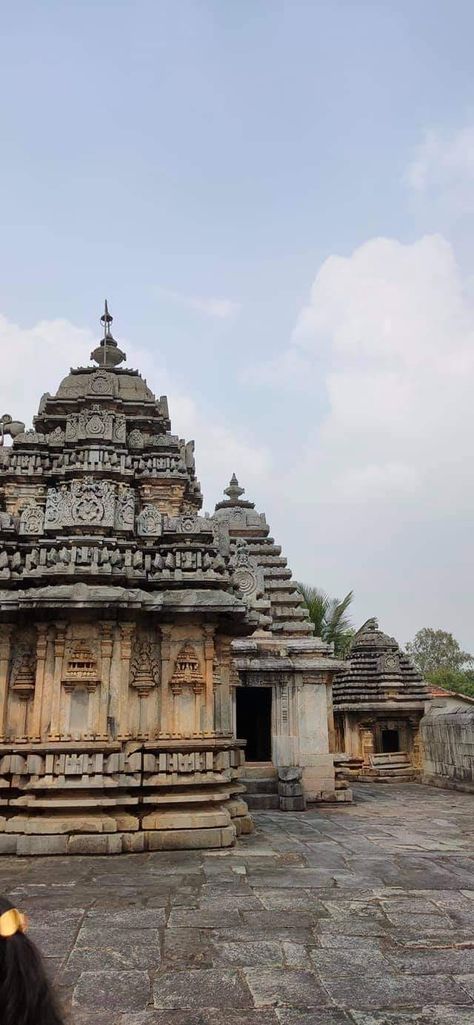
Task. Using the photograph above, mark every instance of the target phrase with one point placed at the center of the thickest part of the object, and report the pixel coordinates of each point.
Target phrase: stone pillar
(127, 631)
(209, 679)
(41, 652)
(59, 647)
(106, 649)
(6, 630)
(166, 710)
(367, 745)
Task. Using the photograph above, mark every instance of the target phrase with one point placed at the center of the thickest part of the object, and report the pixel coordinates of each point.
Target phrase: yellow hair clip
(12, 921)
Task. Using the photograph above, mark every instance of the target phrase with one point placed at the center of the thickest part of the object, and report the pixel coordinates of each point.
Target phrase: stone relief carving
(389, 663)
(101, 383)
(125, 510)
(135, 439)
(187, 671)
(145, 665)
(23, 663)
(93, 423)
(32, 520)
(149, 522)
(80, 665)
(89, 503)
(246, 573)
(57, 437)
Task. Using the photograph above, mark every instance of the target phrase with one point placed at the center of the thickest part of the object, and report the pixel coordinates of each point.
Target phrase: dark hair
(25, 994)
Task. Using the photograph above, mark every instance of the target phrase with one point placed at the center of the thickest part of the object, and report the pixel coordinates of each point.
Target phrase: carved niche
(145, 665)
(89, 503)
(149, 522)
(23, 664)
(80, 666)
(187, 671)
(32, 520)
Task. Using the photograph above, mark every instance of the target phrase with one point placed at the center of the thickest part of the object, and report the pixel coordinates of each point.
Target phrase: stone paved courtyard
(341, 915)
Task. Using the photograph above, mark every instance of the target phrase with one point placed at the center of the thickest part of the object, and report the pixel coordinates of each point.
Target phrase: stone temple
(142, 645)
(379, 700)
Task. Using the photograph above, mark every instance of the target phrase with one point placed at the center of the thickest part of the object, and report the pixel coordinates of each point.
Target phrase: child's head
(25, 994)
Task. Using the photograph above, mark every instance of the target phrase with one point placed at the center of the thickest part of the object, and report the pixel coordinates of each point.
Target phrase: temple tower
(119, 603)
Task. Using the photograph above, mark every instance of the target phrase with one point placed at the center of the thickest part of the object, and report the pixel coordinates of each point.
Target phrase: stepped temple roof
(277, 596)
(377, 673)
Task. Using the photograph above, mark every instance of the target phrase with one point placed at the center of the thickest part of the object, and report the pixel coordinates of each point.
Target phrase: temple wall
(448, 748)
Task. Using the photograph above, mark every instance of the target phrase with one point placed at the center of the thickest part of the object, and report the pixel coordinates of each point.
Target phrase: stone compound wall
(448, 747)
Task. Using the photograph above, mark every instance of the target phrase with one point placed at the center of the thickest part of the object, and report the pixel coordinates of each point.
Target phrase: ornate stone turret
(115, 726)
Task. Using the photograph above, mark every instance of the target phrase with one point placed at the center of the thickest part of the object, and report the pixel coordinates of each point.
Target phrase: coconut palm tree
(329, 616)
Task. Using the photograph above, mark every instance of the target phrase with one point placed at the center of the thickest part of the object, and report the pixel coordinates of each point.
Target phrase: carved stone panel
(23, 663)
(32, 520)
(187, 670)
(80, 666)
(90, 503)
(149, 521)
(145, 665)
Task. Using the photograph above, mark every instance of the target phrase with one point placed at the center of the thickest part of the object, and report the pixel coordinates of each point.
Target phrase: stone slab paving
(354, 915)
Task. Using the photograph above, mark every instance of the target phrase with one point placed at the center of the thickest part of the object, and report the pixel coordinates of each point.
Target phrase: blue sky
(203, 165)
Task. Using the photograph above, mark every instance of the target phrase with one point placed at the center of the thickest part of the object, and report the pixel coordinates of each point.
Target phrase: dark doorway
(390, 741)
(254, 722)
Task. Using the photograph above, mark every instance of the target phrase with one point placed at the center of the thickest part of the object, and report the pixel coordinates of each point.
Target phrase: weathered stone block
(95, 844)
(190, 839)
(292, 803)
(43, 845)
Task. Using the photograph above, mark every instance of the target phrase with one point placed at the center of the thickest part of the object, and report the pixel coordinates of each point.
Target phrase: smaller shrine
(379, 700)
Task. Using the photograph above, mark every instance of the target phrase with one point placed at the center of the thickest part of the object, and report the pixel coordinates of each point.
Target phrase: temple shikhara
(143, 645)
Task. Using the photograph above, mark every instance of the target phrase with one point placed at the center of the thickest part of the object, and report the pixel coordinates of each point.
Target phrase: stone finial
(107, 353)
(234, 491)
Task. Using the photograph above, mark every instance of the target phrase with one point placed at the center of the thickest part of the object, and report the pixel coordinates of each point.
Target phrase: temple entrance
(254, 722)
(390, 741)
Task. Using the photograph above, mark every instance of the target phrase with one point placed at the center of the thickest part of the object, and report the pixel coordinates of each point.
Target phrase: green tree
(436, 649)
(461, 681)
(329, 617)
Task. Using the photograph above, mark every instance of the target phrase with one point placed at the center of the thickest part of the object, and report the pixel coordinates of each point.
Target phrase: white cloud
(34, 360)
(442, 171)
(220, 309)
(381, 487)
(393, 331)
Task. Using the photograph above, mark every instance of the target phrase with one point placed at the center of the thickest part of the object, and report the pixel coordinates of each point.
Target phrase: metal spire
(107, 353)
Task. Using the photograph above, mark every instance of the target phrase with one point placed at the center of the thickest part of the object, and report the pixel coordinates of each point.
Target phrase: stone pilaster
(209, 679)
(59, 648)
(367, 744)
(41, 653)
(166, 667)
(6, 630)
(127, 631)
(106, 649)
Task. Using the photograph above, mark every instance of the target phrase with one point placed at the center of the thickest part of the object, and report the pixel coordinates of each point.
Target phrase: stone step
(262, 802)
(260, 786)
(259, 770)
